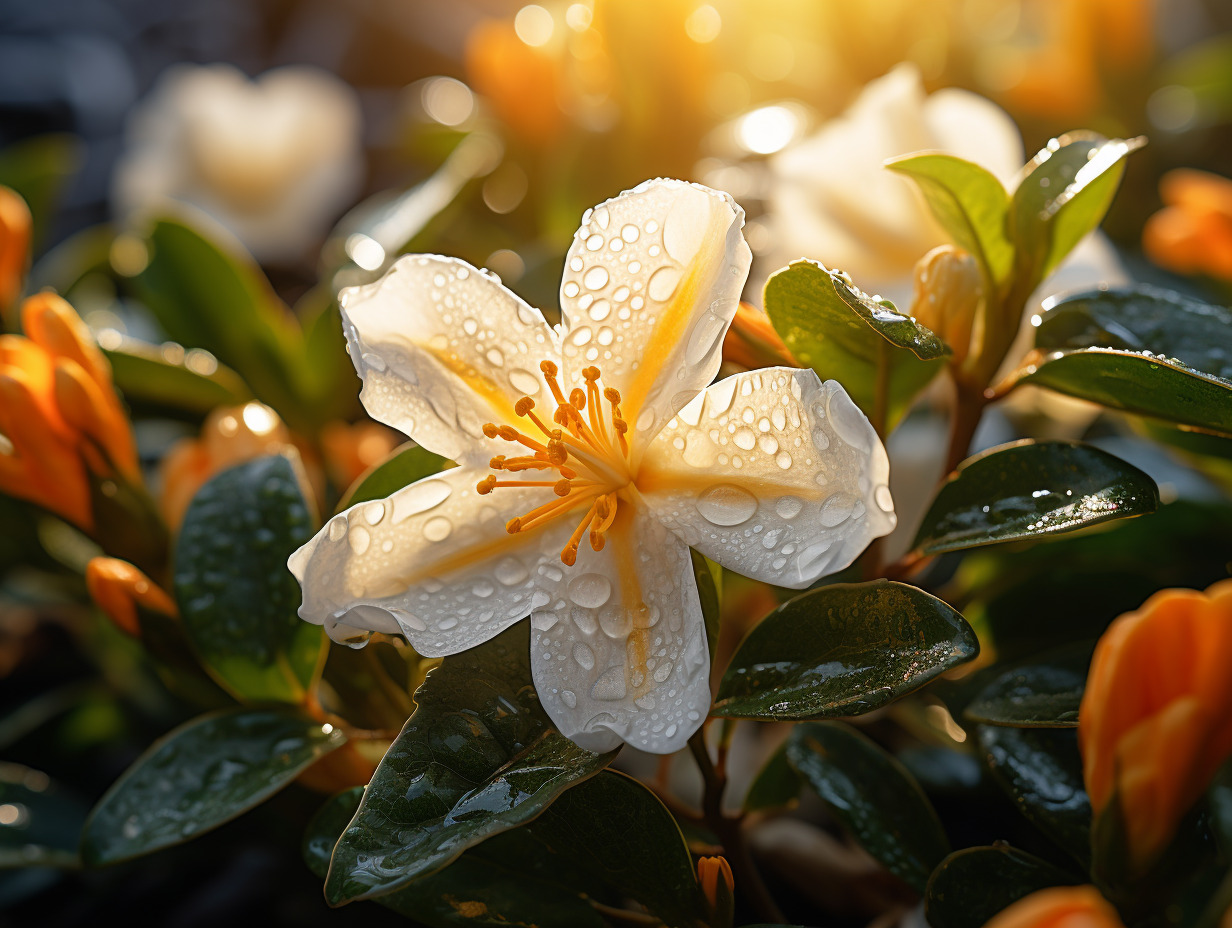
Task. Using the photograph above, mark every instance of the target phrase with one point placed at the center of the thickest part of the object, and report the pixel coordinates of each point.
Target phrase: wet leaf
(402, 468)
(39, 835)
(1136, 383)
(776, 785)
(974, 884)
(1065, 191)
(969, 202)
(844, 334)
(1141, 319)
(201, 775)
(843, 650)
(1029, 489)
(508, 880)
(477, 758)
(708, 576)
(166, 380)
(873, 796)
(1043, 694)
(1041, 770)
(237, 598)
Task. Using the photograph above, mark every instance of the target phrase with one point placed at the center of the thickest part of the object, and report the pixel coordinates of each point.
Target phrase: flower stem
(729, 831)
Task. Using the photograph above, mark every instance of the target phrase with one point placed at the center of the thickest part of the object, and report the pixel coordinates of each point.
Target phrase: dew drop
(337, 528)
(725, 504)
(360, 539)
(374, 512)
(594, 243)
(768, 443)
(663, 284)
(630, 233)
(583, 655)
(483, 589)
(420, 497)
(610, 685)
(590, 590)
(600, 310)
(495, 358)
(569, 698)
(745, 439)
(437, 528)
(595, 278)
(847, 420)
(783, 460)
(836, 510)
(706, 335)
(571, 289)
(510, 571)
(524, 381)
(883, 498)
(788, 507)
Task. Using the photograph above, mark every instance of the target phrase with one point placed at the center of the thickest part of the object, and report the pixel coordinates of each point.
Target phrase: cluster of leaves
(481, 813)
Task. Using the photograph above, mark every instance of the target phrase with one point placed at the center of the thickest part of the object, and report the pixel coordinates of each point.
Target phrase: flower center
(588, 452)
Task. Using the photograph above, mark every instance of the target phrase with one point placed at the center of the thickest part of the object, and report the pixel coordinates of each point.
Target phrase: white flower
(590, 457)
(273, 160)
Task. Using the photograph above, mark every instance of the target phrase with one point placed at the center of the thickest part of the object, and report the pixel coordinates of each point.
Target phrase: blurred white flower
(274, 159)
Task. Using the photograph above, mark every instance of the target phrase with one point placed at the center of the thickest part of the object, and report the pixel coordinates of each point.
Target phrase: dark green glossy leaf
(39, 835)
(776, 785)
(969, 202)
(1146, 385)
(237, 599)
(974, 884)
(167, 380)
(206, 296)
(843, 650)
(873, 796)
(1038, 695)
(505, 882)
(1029, 489)
(39, 169)
(844, 335)
(402, 468)
(1141, 319)
(708, 576)
(1066, 189)
(1041, 770)
(199, 776)
(478, 757)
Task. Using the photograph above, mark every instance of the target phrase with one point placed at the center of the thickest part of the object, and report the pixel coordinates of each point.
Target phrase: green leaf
(844, 334)
(970, 204)
(1141, 319)
(39, 169)
(1064, 193)
(167, 380)
(708, 575)
(843, 650)
(974, 884)
(1145, 385)
(1041, 770)
(406, 465)
(505, 882)
(1044, 694)
(237, 598)
(39, 837)
(205, 296)
(873, 796)
(201, 775)
(776, 785)
(478, 757)
(1030, 489)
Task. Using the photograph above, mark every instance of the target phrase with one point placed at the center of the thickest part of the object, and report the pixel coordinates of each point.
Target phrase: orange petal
(1059, 907)
(117, 588)
(15, 226)
(51, 322)
(88, 408)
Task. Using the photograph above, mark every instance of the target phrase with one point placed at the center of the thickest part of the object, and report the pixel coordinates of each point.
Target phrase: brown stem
(730, 833)
(969, 405)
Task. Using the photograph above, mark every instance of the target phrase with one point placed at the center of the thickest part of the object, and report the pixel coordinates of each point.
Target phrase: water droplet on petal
(883, 498)
(590, 590)
(663, 283)
(788, 507)
(583, 655)
(596, 278)
(510, 571)
(725, 504)
(437, 528)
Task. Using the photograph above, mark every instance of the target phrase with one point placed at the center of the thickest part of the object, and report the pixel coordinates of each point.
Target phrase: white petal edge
(432, 562)
(443, 348)
(651, 283)
(773, 474)
(618, 652)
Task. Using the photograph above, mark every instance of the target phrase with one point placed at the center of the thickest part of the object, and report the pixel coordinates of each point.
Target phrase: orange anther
(548, 368)
(486, 485)
(523, 406)
(490, 429)
(578, 398)
(562, 488)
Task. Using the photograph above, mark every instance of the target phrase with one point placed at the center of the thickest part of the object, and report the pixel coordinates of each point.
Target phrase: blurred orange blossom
(1154, 724)
(1059, 907)
(1192, 234)
(60, 418)
(15, 225)
(118, 588)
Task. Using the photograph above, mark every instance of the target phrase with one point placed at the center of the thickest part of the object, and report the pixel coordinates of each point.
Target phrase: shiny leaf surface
(199, 776)
(873, 796)
(406, 465)
(776, 785)
(844, 334)
(1041, 771)
(1038, 695)
(1145, 385)
(1029, 489)
(478, 757)
(1141, 319)
(708, 576)
(970, 204)
(974, 884)
(843, 650)
(237, 598)
(166, 379)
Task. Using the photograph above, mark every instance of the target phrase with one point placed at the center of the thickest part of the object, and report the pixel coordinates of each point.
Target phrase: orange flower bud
(230, 436)
(15, 226)
(60, 418)
(118, 588)
(1154, 724)
(1059, 907)
(715, 877)
(948, 291)
(752, 342)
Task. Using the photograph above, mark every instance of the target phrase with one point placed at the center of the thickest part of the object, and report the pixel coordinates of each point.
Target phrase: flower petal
(619, 652)
(443, 348)
(773, 474)
(650, 286)
(433, 562)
